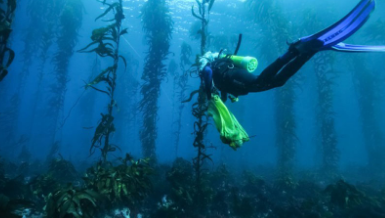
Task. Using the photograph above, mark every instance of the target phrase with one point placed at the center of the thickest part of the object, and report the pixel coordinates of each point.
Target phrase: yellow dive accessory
(248, 63)
(231, 132)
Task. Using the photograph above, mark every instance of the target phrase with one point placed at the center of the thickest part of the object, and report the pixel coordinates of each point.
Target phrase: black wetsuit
(237, 81)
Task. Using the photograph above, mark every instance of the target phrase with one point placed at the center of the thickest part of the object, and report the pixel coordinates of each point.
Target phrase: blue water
(257, 112)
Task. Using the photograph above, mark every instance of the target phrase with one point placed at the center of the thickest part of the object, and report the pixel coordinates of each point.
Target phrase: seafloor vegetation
(126, 186)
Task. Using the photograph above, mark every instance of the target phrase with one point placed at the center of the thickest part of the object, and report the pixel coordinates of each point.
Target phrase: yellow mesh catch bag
(231, 132)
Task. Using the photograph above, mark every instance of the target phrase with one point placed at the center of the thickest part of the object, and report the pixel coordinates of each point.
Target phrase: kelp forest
(131, 109)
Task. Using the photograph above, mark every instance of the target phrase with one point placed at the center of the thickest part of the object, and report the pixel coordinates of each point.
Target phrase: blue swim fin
(342, 47)
(339, 31)
(352, 28)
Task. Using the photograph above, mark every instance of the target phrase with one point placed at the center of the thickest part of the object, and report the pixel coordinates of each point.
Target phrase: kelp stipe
(367, 87)
(42, 14)
(38, 13)
(199, 111)
(201, 191)
(9, 126)
(369, 94)
(266, 12)
(103, 38)
(128, 113)
(70, 21)
(157, 26)
(182, 81)
(7, 10)
(7, 55)
(89, 100)
(327, 139)
(43, 22)
(172, 70)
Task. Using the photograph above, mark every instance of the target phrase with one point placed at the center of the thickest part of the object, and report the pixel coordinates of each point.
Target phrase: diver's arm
(207, 76)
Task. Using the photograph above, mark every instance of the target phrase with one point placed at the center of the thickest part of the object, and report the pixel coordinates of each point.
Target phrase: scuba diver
(230, 77)
(232, 74)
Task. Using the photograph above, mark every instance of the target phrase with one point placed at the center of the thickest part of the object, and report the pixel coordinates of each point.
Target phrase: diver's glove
(233, 99)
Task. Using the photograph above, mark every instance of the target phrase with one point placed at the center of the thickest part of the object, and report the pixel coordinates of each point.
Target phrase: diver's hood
(208, 57)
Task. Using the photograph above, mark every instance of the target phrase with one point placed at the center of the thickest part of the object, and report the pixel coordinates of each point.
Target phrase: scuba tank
(248, 63)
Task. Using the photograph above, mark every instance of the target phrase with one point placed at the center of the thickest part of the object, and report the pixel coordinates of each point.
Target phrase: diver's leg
(290, 69)
(240, 82)
(274, 77)
(271, 71)
(265, 80)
